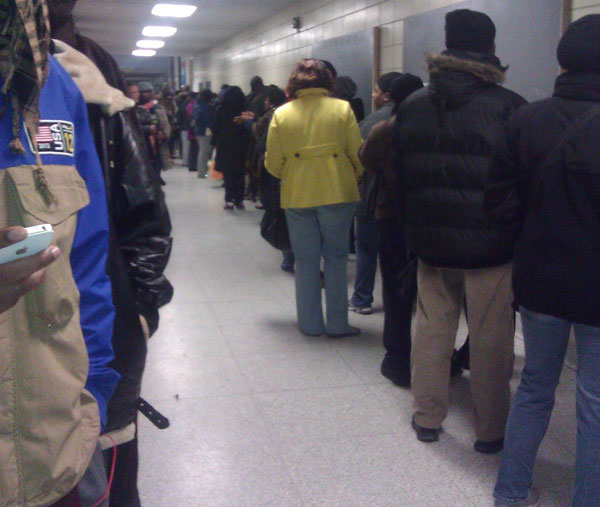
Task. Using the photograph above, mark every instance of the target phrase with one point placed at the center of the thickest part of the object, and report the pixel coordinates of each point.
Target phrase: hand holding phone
(24, 259)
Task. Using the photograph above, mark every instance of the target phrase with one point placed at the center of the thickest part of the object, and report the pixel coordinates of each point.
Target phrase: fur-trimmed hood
(89, 79)
(456, 76)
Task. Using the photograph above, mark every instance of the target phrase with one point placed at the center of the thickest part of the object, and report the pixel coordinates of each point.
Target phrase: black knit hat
(403, 86)
(579, 48)
(385, 81)
(469, 30)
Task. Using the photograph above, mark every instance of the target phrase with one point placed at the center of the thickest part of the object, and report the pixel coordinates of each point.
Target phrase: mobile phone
(38, 239)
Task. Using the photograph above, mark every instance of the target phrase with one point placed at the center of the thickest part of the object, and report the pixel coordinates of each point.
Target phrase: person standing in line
(231, 140)
(193, 150)
(399, 292)
(312, 146)
(139, 235)
(345, 89)
(202, 119)
(445, 138)
(183, 124)
(366, 225)
(270, 186)
(546, 189)
(56, 340)
(150, 120)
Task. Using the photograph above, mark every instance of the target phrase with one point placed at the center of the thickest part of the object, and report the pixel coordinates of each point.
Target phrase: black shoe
(396, 370)
(352, 331)
(455, 367)
(464, 356)
(493, 447)
(425, 434)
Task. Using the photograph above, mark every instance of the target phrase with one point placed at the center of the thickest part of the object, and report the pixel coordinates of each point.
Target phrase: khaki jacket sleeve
(274, 159)
(354, 142)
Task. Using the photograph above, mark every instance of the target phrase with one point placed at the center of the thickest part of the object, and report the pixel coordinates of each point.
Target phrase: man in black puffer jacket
(445, 138)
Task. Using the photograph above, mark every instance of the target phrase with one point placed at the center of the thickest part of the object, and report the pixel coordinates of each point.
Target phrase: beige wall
(584, 7)
(271, 48)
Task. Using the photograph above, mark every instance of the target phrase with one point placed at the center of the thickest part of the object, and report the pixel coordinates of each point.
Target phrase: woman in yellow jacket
(312, 146)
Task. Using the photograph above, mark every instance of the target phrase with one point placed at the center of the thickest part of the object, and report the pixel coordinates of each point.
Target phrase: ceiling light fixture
(173, 10)
(143, 52)
(159, 31)
(150, 44)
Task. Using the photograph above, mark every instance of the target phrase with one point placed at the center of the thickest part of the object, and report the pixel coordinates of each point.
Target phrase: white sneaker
(362, 310)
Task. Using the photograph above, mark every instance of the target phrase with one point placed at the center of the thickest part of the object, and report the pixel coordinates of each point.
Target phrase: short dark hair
(205, 95)
(256, 83)
(309, 73)
(276, 96)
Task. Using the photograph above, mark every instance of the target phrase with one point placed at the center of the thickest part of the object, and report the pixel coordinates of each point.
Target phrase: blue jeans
(318, 232)
(546, 340)
(366, 261)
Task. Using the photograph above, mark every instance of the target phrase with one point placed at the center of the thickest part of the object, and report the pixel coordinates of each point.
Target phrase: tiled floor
(264, 416)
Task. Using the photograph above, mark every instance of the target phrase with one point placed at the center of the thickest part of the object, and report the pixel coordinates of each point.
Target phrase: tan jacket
(49, 424)
(312, 146)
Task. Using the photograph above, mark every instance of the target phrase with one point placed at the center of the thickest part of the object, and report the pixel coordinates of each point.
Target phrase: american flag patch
(44, 134)
(54, 137)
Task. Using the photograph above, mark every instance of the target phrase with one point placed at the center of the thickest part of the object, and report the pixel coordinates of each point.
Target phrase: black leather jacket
(140, 237)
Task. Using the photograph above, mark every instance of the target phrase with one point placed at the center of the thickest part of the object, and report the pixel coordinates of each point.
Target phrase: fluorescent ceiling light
(143, 52)
(173, 10)
(150, 44)
(159, 31)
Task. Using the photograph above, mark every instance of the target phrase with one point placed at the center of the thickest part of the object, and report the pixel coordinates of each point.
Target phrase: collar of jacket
(90, 81)
(578, 86)
(312, 92)
(483, 66)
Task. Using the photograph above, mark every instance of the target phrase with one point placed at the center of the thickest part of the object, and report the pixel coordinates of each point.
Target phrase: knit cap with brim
(579, 48)
(468, 30)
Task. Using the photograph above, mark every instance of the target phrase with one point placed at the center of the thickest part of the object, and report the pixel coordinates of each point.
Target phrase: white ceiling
(117, 24)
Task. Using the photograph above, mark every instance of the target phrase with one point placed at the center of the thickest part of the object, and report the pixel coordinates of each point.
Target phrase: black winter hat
(469, 30)
(579, 48)
(403, 86)
(385, 81)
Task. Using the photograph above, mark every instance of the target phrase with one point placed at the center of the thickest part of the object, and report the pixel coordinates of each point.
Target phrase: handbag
(273, 226)
(274, 229)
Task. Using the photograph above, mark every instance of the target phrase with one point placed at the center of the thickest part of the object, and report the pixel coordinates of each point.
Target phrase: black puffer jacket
(445, 138)
(556, 210)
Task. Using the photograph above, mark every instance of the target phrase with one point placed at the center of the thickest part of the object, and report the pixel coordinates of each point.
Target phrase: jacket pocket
(57, 299)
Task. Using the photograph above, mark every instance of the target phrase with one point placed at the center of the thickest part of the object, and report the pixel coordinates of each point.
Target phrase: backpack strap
(543, 169)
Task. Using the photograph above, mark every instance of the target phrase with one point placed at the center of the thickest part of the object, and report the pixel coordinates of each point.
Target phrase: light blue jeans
(546, 340)
(321, 232)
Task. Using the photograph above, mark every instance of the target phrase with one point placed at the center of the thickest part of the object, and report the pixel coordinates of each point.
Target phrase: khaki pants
(491, 330)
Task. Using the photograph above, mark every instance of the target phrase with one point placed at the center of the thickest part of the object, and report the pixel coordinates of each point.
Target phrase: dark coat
(139, 243)
(445, 138)
(554, 210)
(231, 140)
(369, 184)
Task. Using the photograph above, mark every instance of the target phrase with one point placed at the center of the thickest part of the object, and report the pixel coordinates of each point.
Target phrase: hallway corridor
(264, 416)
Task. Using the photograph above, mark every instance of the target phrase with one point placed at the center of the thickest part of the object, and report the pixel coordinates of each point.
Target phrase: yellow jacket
(312, 146)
